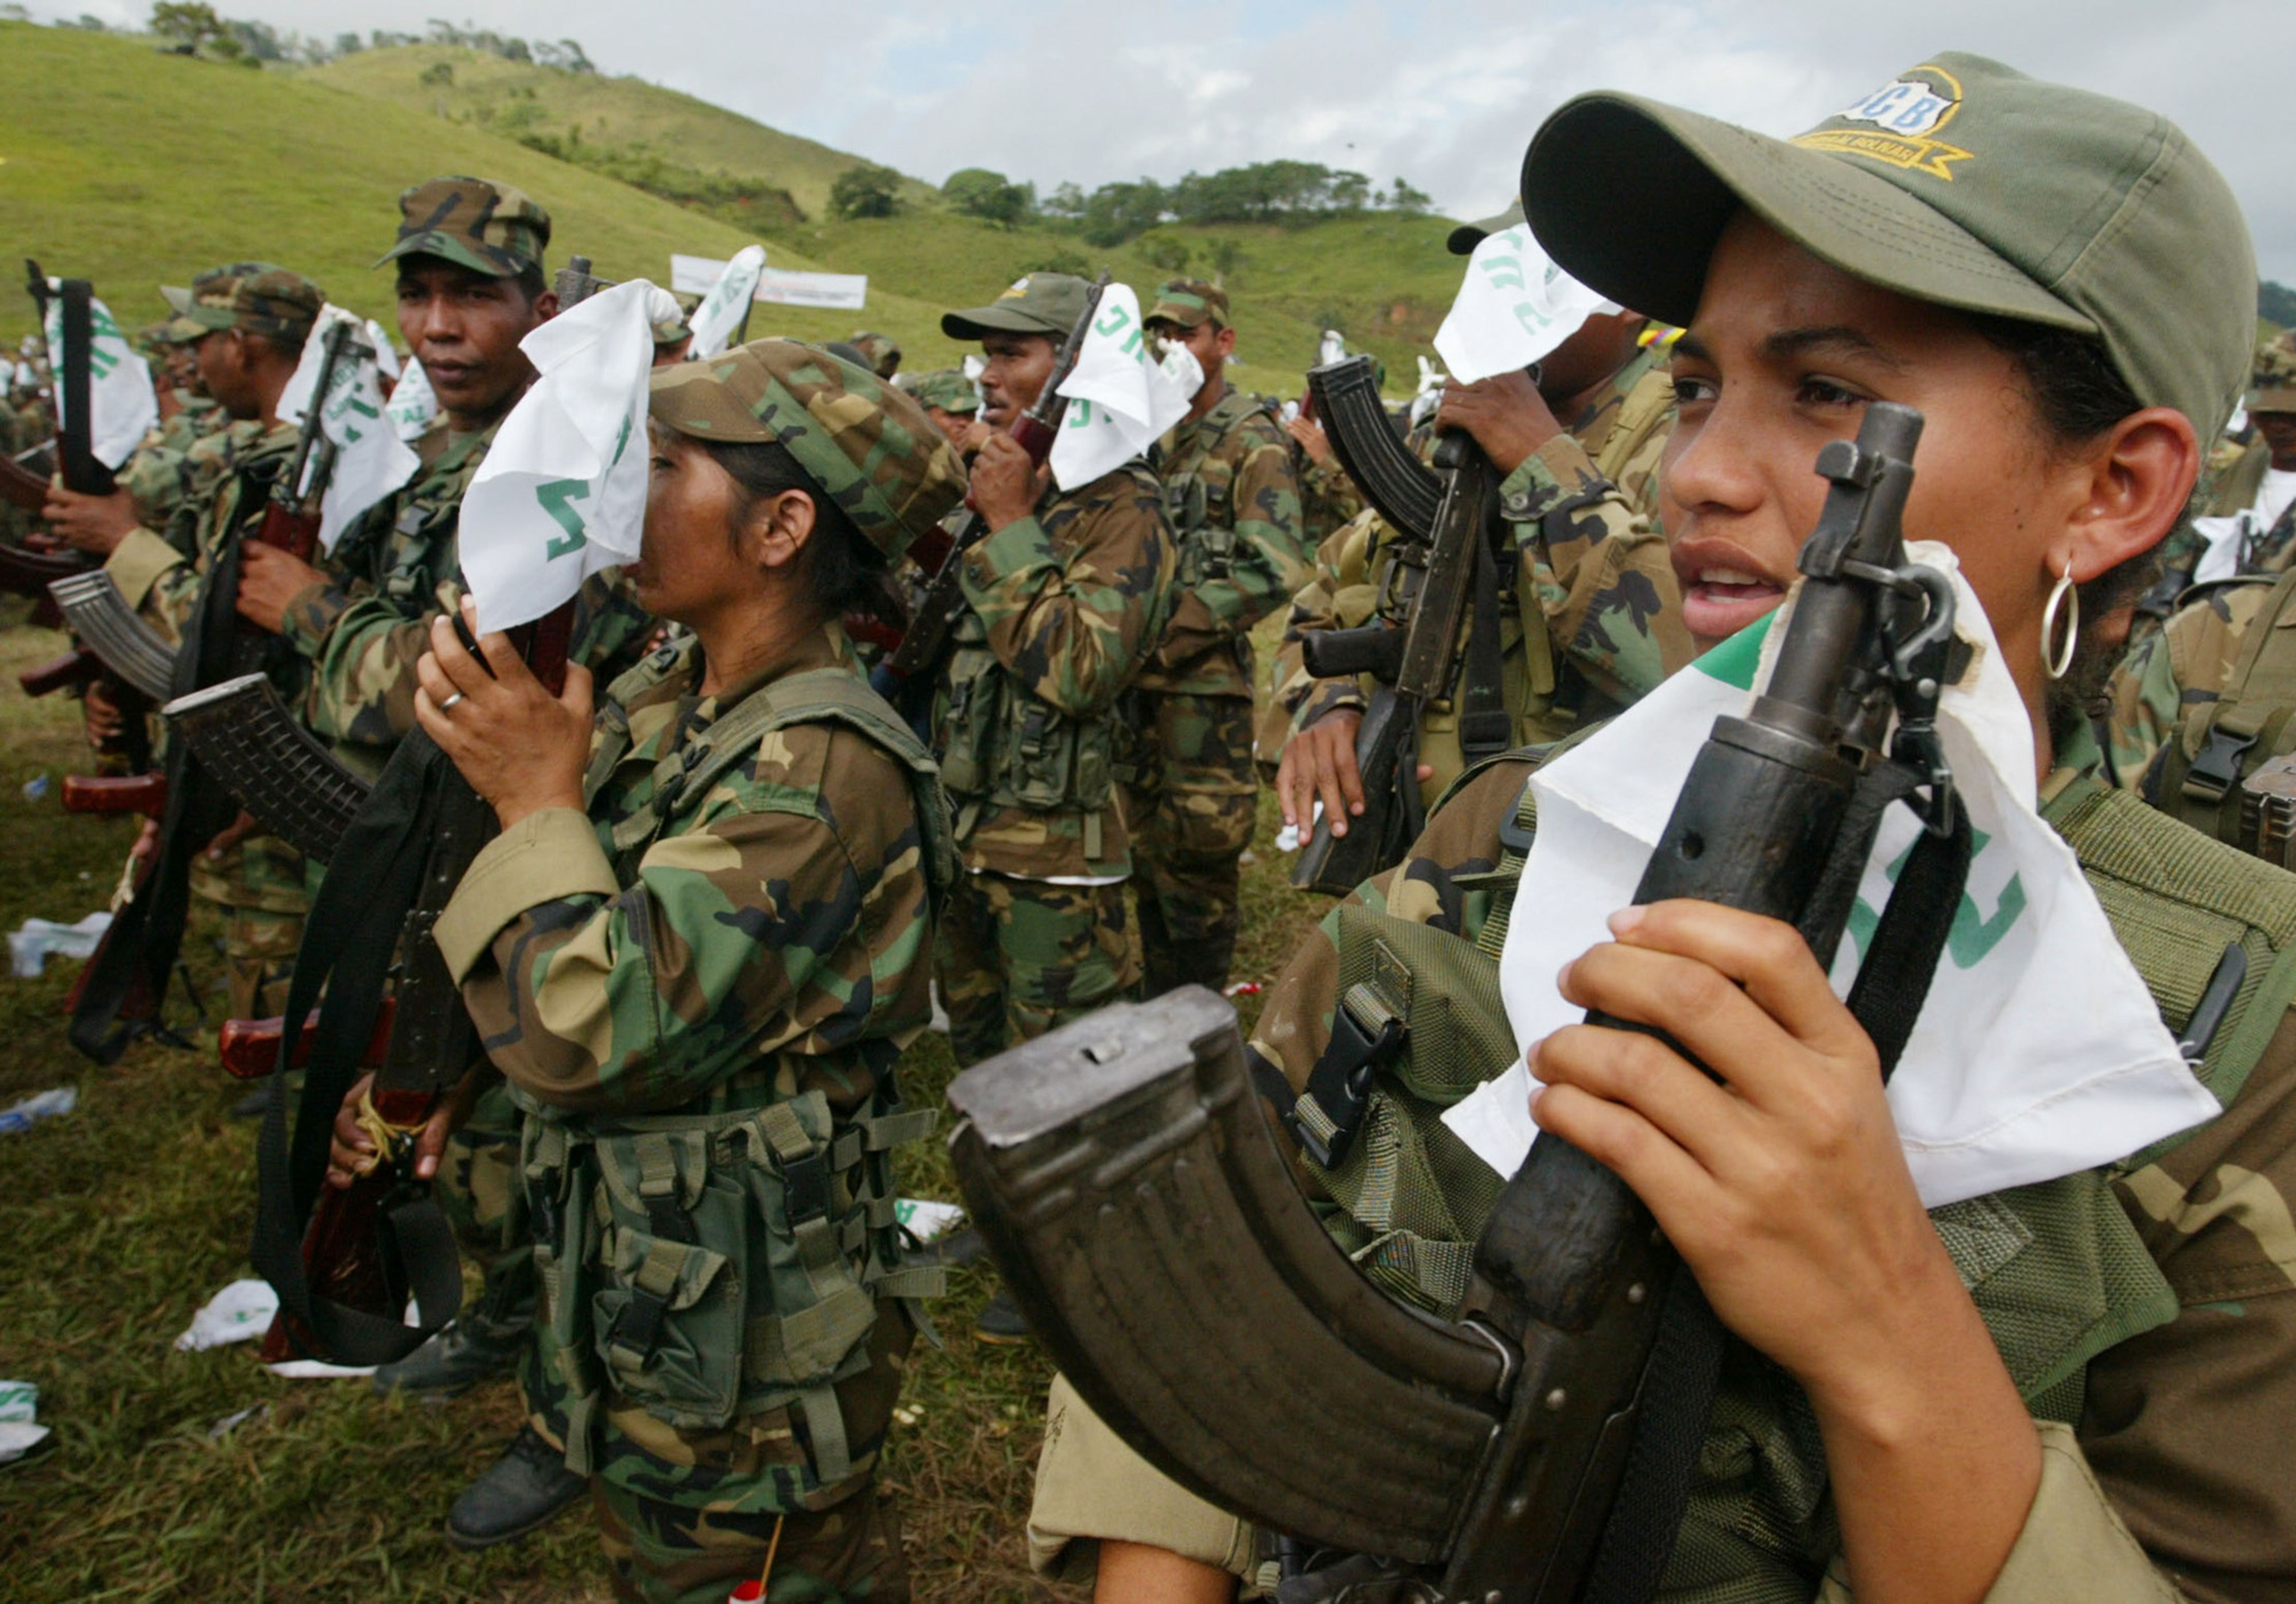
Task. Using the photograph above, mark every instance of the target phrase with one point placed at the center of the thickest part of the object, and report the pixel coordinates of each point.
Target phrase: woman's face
(1783, 356)
(688, 560)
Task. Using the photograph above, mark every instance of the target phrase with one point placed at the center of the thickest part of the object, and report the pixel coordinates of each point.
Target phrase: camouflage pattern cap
(1042, 304)
(256, 297)
(945, 388)
(1188, 302)
(870, 447)
(178, 297)
(1463, 240)
(488, 227)
(884, 356)
(2273, 384)
(1961, 183)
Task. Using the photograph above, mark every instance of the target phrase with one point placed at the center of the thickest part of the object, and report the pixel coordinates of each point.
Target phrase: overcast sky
(1445, 96)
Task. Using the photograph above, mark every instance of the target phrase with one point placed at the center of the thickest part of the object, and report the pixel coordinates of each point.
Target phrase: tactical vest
(1203, 510)
(709, 1266)
(2056, 1270)
(1004, 746)
(2221, 742)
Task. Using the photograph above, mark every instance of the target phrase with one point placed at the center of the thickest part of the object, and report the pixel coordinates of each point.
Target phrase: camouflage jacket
(2180, 1445)
(1234, 506)
(2163, 689)
(206, 492)
(366, 629)
(197, 417)
(1064, 608)
(773, 940)
(1328, 497)
(1583, 509)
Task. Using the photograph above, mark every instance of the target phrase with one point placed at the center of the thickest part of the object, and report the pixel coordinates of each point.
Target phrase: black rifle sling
(348, 941)
(1685, 1363)
(1485, 729)
(149, 931)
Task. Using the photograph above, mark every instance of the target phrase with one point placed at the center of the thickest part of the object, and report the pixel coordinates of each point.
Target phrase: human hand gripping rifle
(344, 1262)
(1446, 521)
(1538, 1447)
(926, 639)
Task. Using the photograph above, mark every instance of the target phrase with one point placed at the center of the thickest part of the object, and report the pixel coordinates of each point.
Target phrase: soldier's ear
(779, 527)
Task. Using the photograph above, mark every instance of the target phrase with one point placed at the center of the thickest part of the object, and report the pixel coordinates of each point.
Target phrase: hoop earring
(2056, 659)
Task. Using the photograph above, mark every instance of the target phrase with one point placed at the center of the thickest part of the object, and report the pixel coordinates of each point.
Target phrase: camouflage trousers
(1015, 957)
(263, 887)
(1191, 808)
(483, 1196)
(684, 1516)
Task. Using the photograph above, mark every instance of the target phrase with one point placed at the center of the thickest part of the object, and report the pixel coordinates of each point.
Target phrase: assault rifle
(926, 640)
(344, 1262)
(1445, 518)
(1540, 1446)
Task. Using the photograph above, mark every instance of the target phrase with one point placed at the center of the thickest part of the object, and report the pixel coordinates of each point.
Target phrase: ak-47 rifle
(926, 640)
(1446, 521)
(345, 1261)
(1538, 1448)
(83, 471)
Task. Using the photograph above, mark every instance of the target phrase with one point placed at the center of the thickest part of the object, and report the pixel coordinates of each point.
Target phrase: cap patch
(1904, 114)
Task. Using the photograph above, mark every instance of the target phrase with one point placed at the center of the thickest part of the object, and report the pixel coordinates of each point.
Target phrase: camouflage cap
(1961, 183)
(945, 388)
(1042, 304)
(256, 297)
(1188, 302)
(884, 356)
(1463, 240)
(474, 223)
(870, 447)
(2272, 382)
(178, 297)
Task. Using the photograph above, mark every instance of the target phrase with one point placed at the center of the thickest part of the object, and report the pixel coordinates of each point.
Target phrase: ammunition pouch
(2252, 719)
(703, 1267)
(1004, 745)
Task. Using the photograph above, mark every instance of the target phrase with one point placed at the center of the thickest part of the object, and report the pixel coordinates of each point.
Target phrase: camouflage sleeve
(1074, 603)
(2147, 703)
(1601, 573)
(1338, 594)
(792, 917)
(312, 614)
(2187, 1425)
(1462, 838)
(1270, 556)
(1328, 497)
(363, 674)
(154, 580)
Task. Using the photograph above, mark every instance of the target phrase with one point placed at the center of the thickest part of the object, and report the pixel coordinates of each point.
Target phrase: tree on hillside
(1116, 212)
(1411, 202)
(1166, 251)
(865, 191)
(190, 22)
(992, 197)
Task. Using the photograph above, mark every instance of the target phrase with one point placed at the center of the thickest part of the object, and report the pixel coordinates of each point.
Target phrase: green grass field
(134, 168)
(119, 1219)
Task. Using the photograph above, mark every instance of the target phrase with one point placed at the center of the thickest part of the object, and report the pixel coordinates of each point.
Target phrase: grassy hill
(133, 169)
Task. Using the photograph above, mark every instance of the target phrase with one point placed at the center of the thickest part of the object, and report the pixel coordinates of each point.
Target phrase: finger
(576, 695)
(1289, 799)
(1668, 1180)
(1344, 764)
(463, 672)
(501, 657)
(430, 1145)
(430, 678)
(1640, 1071)
(1327, 786)
(1706, 1012)
(1766, 956)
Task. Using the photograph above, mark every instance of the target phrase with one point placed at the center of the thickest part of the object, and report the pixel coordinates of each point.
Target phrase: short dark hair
(844, 572)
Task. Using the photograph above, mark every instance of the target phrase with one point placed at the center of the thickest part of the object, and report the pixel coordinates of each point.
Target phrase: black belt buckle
(1341, 1085)
(2217, 768)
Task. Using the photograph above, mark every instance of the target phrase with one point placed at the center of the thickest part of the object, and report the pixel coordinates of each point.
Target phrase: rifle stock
(22, 489)
(115, 793)
(76, 669)
(250, 1048)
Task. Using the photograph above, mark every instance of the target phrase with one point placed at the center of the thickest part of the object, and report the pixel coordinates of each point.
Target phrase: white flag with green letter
(1119, 399)
(1514, 308)
(714, 321)
(2032, 1059)
(371, 461)
(561, 493)
(121, 405)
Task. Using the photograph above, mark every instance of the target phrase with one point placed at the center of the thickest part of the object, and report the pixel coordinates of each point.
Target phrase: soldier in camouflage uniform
(884, 358)
(2121, 1335)
(253, 319)
(700, 987)
(1192, 794)
(950, 399)
(1067, 597)
(1582, 502)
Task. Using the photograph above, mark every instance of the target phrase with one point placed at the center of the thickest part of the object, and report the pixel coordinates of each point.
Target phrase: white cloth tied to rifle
(561, 493)
(122, 406)
(386, 355)
(714, 321)
(1514, 308)
(1120, 400)
(414, 404)
(2032, 1057)
(370, 459)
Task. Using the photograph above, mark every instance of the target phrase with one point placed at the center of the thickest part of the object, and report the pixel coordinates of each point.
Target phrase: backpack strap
(2248, 722)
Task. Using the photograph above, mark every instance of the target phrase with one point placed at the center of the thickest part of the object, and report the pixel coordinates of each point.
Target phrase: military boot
(483, 1345)
(520, 1493)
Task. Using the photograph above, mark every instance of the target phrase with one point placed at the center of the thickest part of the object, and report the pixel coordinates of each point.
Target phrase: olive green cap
(178, 297)
(884, 356)
(2273, 384)
(256, 297)
(945, 388)
(1961, 183)
(1463, 240)
(1042, 304)
(871, 448)
(474, 223)
(1188, 302)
